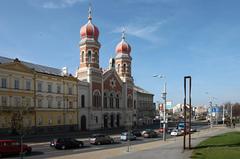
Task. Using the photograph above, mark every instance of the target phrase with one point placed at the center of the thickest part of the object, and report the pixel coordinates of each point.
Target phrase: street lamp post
(211, 109)
(164, 97)
(211, 118)
(231, 116)
(223, 118)
(159, 112)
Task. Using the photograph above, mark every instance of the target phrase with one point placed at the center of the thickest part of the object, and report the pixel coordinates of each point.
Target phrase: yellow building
(37, 98)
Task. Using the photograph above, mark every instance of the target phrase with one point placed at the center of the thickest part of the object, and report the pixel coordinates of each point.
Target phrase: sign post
(185, 110)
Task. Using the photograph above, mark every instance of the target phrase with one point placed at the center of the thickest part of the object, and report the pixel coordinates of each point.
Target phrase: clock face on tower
(112, 83)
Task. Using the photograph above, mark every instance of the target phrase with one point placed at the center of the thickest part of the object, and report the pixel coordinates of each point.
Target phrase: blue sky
(171, 37)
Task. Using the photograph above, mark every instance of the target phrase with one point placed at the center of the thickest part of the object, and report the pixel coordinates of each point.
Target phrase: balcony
(15, 108)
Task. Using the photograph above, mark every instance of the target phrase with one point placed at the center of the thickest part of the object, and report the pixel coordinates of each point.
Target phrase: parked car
(66, 143)
(149, 133)
(176, 132)
(181, 126)
(136, 132)
(193, 130)
(99, 139)
(127, 136)
(9, 147)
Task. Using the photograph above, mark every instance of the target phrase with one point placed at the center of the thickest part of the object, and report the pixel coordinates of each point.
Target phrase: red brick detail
(106, 85)
(97, 86)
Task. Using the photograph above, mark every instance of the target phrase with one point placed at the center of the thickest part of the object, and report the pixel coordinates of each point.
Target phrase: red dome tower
(123, 59)
(89, 49)
(89, 45)
(123, 46)
(89, 30)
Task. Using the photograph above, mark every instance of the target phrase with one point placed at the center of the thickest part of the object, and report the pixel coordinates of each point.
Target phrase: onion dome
(89, 30)
(123, 46)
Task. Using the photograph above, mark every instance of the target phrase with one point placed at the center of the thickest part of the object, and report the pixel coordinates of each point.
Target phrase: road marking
(78, 150)
(98, 148)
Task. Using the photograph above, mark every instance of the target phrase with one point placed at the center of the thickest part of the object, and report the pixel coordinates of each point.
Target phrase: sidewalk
(171, 149)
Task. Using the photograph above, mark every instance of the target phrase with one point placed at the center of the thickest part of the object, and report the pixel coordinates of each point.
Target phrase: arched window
(105, 100)
(129, 101)
(96, 57)
(118, 68)
(113, 63)
(124, 68)
(89, 56)
(82, 56)
(111, 100)
(96, 99)
(117, 101)
(82, 101)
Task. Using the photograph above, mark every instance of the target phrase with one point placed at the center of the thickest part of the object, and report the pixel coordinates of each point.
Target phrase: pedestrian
(234, 123)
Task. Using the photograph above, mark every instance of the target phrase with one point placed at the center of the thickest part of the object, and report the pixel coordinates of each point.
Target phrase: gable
(16, 66)
(112, 82)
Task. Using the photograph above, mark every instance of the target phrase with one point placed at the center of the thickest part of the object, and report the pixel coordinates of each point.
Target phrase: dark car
(9, 147)
(149, 133)
(136, 132)
(99, 139)
(193, 130)
(125, 136)
(66, 143)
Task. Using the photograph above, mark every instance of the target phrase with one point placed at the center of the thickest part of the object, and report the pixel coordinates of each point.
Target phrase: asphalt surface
(45, 151)
(174, 148)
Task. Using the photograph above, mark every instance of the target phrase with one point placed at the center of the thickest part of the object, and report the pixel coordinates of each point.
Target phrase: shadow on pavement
(33, 153)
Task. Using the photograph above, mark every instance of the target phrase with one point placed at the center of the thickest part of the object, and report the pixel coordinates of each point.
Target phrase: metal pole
(184, 109)
(211, 118)
(128, 135)
(164, 110)
(190, 111)
(128, 140)
(223, 118)
(159, 116)
(231, 116)
(21, 138)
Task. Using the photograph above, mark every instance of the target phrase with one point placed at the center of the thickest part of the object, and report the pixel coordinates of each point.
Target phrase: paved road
(43, 150)
(174, 149)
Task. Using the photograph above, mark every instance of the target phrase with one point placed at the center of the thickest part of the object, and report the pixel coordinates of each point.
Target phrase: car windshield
(97, 135)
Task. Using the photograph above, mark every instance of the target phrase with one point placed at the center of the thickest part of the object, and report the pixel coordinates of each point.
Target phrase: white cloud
(54, 4)
(146, 31)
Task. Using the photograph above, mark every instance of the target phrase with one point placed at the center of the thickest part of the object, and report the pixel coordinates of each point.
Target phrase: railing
(113, 108)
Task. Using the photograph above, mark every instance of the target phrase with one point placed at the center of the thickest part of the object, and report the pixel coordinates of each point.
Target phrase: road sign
(215, 109)
(169, 105)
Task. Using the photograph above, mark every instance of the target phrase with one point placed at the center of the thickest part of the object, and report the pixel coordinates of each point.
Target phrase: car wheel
(111, 141)
(99, 143)
(0, 155)
(80, 145)
(29, 151)
(63, 147)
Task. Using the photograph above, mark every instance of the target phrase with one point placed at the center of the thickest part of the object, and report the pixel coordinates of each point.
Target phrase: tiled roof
(141, 90)
(36, 67)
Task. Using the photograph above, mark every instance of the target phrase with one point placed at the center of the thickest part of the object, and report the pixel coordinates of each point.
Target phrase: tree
(236, 110)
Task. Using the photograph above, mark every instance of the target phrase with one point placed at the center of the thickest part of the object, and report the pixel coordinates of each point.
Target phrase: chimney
(64, 71)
